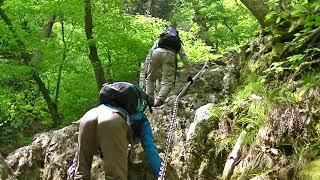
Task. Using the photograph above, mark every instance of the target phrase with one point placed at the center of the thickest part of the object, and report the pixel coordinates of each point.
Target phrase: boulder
(202, 114)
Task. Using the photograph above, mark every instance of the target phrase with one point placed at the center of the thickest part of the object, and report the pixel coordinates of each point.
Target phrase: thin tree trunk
(52, 108)
(46, 31)
(47, 28)
(8, 22)
(93, 54)
(62, 63)
(231, 30)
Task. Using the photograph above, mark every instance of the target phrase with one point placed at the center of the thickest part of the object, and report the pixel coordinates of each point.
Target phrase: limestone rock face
(50, 155)
(202, 114)
(281, 126)
(192, 123)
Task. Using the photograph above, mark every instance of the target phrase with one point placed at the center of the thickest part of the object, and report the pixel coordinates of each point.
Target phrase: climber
(111, 127)
(162, 58)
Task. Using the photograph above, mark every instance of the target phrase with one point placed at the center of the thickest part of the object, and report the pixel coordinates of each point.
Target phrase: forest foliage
(47, 78)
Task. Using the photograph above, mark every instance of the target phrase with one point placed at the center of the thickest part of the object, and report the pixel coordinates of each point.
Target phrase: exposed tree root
(233, 157)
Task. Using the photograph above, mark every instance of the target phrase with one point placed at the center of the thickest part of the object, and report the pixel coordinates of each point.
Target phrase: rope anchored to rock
(172, 123)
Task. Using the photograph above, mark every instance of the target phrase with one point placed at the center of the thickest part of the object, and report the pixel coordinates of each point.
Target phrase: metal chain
(172, 125)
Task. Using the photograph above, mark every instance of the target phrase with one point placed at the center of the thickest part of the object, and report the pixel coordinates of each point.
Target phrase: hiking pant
(103, 127)
(163, 62)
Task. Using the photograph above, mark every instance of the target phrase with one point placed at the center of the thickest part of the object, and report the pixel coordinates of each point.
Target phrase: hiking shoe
(158, 103)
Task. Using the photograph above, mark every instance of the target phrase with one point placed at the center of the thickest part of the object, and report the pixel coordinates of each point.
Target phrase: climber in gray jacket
(162, 58)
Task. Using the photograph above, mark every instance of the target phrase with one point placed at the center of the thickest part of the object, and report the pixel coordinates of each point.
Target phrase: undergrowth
(251, 104)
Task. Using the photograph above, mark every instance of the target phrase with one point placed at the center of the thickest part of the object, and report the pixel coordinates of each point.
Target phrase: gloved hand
(189, 79)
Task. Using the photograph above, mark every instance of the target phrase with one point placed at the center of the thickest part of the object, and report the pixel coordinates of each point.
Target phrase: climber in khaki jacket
(103, 125)
(162, 59)
(110, 127)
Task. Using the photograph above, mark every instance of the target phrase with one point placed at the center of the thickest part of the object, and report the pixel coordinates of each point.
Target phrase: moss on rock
(311, 171)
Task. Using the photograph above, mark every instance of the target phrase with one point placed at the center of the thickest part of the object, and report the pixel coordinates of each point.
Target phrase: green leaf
(278, 19)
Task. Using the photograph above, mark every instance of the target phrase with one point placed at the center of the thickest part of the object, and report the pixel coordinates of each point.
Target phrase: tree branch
(61, 64)
(93, 53)
(231, 30)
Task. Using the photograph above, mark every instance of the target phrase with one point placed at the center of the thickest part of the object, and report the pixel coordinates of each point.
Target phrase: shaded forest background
(54, 55)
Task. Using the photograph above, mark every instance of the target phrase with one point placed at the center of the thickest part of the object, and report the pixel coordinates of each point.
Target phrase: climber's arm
(185, 60)
(150, 148)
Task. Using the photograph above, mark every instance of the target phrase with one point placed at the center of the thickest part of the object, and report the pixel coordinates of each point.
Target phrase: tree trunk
(52, 106)
(259, 9)
(93, 54)
(46, 31)
(61, 64)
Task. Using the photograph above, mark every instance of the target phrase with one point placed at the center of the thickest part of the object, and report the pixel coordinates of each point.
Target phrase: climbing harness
(172, 124)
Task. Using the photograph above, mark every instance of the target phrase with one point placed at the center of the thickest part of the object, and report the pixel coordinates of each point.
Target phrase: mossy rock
(311, 171)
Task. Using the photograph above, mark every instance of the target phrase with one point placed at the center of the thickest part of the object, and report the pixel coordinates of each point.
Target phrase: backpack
(125, 95)
(170, 39)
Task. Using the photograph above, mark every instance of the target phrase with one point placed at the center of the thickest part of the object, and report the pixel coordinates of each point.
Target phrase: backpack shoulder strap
(143, 95)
